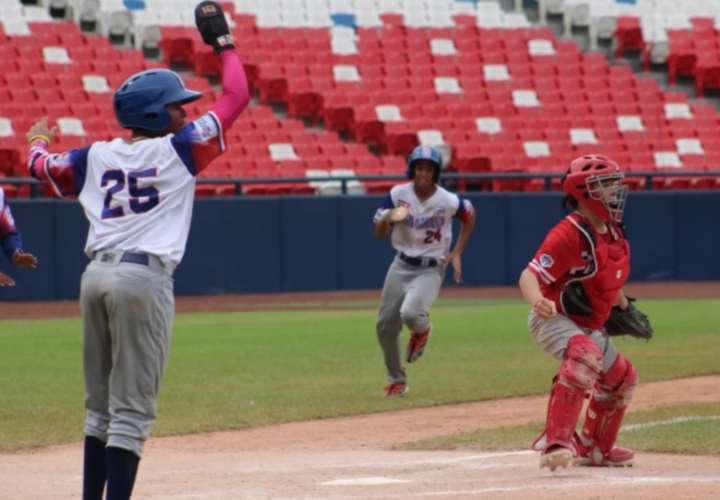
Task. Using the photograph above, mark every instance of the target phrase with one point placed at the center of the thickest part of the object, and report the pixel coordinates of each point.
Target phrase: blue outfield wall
(325, 243)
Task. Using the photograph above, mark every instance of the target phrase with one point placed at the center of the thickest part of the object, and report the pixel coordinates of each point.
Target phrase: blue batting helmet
(426, 153)
(141, 100)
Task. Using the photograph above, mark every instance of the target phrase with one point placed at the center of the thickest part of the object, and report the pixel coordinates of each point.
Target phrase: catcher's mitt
(631, 322)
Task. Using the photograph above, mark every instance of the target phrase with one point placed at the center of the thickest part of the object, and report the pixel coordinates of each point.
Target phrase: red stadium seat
(178, 47)
(207, 63)
(628, 35)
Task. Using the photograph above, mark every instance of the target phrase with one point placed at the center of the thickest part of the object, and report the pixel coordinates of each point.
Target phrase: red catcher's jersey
(581, 270)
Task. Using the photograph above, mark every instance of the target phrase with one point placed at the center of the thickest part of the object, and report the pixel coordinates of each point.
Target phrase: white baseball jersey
(139, 196)
(427, 231)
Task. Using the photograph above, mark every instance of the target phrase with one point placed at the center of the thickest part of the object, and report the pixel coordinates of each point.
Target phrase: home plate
(364, 481)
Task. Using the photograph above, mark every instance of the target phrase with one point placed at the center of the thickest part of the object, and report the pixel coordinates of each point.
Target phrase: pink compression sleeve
(236, 95)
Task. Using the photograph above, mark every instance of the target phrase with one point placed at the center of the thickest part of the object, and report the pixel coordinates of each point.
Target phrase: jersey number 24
(119, 180)
(431, 236)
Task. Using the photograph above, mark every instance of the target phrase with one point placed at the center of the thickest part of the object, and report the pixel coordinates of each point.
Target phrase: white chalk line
(605, 481)
(271, 468)
(531, 486)
(365, 481)
(597, 479)
(670, 421)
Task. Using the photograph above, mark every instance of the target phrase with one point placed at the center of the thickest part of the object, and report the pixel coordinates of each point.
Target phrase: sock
(122, 466)
(94, 475)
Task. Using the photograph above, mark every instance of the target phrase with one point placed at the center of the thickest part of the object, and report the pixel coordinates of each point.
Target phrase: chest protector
(589, 294)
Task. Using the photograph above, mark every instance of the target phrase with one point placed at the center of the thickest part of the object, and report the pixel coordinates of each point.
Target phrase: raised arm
(236, 95)
(212, 25)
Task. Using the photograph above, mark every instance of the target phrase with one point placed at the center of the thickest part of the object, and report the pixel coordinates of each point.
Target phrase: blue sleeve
(182, 142)
(461, 206)
(465, 210)
(78, 160)
(11, 243)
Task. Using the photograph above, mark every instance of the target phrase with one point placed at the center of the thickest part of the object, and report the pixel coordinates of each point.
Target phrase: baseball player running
(419, 216)
(137, 195)
(572, 283)
(11, 242)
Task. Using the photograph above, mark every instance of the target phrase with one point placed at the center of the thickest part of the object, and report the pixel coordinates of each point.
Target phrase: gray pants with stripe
(553, 335)
(128, 312)
(407, 295)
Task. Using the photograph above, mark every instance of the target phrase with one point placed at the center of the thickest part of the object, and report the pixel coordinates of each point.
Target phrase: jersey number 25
(119, 180)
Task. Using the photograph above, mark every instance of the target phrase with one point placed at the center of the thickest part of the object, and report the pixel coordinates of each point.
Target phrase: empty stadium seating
(505, 99)
(502, 95)
(57, 71)
(681, 34)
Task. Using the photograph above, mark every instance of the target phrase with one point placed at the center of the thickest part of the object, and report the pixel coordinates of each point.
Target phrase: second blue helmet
(427, 153)
(141, 100)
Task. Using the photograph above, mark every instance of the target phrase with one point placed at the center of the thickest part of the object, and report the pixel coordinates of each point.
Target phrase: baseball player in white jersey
(137, 195)
(11, 242)
(419, 216)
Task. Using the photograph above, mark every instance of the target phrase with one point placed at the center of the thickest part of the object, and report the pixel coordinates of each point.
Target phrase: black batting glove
(212, 25)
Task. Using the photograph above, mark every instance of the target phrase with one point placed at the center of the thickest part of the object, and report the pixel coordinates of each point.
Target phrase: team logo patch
(546, 261)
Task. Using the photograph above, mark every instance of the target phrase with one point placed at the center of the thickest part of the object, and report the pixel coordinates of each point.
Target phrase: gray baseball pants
(553, 335)
(128, 312)
(407, 295)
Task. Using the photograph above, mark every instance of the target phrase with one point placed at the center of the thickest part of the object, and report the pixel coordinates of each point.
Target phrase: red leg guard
(605, 413)
(579, 370)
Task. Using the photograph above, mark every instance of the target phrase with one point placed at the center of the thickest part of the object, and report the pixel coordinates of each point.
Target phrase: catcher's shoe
(591, 456)
(556, 456)
(416, 345)
(617, 457)
(396, 389)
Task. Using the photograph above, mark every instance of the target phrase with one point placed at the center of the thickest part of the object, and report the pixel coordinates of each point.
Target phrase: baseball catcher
(574, 284)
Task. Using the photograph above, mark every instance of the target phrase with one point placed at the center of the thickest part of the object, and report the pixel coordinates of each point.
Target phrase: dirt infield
(310, 300)
(356, 457)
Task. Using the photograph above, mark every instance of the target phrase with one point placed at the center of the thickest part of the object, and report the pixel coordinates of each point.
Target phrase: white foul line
(676, 420)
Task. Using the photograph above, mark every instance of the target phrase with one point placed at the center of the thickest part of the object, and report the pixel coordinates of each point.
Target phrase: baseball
(399, 214)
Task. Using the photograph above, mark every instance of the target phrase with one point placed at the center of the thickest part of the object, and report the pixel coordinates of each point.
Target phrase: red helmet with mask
(597, 182)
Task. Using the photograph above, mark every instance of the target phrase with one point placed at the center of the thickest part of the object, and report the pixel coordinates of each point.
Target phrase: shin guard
(579, 370)
(607, 407)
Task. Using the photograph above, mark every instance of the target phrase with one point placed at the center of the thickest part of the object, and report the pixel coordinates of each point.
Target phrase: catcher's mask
(597, 182)
(427, 153)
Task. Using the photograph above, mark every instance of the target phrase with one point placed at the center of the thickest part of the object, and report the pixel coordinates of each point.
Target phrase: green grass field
(234, 370)
(692, 429)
